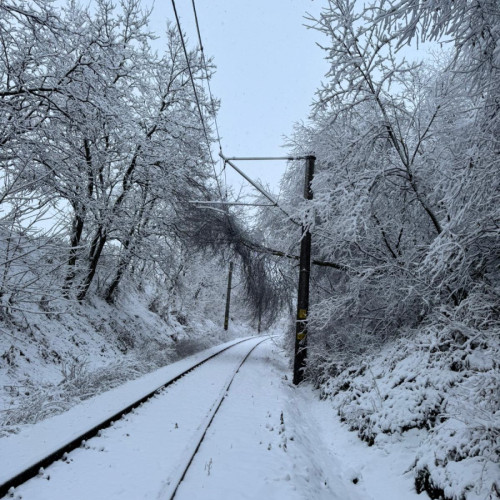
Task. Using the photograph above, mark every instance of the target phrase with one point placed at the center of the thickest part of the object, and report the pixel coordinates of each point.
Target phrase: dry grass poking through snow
(49, 363)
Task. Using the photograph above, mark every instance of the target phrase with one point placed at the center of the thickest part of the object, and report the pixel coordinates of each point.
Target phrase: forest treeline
(406, 190)
(102, 152)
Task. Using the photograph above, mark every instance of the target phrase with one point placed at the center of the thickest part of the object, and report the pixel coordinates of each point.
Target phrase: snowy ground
(269, 440)
(272, 440)
(49, 364)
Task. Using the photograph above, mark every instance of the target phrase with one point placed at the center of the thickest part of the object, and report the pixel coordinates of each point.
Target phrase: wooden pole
(303, 291)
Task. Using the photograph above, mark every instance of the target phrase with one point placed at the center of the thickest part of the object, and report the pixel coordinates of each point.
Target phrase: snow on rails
(30, 453)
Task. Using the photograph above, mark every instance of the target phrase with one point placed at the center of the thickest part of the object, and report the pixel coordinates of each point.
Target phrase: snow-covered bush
(445, 380)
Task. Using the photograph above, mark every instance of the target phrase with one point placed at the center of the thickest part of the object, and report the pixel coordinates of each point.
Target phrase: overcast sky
(268, 68)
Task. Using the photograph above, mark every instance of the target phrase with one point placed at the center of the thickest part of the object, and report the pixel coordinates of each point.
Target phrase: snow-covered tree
(405, 194)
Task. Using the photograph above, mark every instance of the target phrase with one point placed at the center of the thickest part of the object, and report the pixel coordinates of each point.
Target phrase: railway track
(170, 490)
(240, 351)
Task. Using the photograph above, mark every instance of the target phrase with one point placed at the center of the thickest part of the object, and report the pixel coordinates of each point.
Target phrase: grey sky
(268, 68)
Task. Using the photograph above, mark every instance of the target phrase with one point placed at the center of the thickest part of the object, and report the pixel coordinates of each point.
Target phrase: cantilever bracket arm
(258, 187)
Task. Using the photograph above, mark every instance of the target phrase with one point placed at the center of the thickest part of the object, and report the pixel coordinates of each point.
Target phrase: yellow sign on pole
(302, 313)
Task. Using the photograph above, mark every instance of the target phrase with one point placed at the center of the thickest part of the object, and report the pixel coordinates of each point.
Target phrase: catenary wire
(212, 101)
(204, 61)
(196, 94)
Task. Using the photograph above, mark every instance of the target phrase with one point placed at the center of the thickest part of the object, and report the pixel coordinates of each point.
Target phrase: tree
(401, 201)
(105, 141)
(30, 267)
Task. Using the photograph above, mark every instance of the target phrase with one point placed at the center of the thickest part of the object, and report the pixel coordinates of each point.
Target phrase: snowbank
(444, 382)
(49, 362)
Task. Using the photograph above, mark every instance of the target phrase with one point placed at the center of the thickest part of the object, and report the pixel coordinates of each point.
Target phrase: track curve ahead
(157, 432)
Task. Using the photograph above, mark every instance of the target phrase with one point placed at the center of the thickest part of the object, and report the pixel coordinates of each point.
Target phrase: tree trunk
(120, 271)
(94, 256)
(79, 221)
(76, 235)
(124, 261)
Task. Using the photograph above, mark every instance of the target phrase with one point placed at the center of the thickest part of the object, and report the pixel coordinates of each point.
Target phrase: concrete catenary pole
(303, 291)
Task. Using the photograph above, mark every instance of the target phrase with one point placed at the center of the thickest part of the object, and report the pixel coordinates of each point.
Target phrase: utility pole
(299, 362)
(305, 255)
(228, 296)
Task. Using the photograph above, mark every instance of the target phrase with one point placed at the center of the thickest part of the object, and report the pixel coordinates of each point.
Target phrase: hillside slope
(442, 384)
(50, 361)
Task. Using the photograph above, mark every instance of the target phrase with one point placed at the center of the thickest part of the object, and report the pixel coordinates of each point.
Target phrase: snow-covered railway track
(170, 489)
(229, 360)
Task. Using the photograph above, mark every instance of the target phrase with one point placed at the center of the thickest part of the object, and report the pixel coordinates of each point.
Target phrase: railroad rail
(62, 451)
(169, 492)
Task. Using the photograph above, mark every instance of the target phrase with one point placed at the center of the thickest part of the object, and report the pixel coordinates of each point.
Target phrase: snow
(262, 445)
(439, 403)
(244, 454)
(382, 471)
(269, 440)
(35, 442)
(58, 362)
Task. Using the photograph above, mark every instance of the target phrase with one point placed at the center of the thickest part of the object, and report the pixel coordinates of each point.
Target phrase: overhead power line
(204, 61)
(225, 204)
(192, 78)
(196, 93)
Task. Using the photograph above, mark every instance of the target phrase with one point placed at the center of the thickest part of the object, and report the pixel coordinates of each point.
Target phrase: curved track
(234, 356)
(172, 485)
